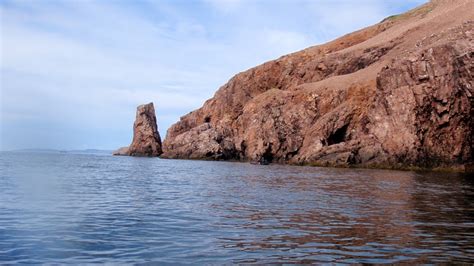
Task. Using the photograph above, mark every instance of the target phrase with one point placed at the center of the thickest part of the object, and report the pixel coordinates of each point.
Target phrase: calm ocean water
(96, 208)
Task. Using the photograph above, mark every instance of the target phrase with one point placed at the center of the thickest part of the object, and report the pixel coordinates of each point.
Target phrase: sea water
(97, 208)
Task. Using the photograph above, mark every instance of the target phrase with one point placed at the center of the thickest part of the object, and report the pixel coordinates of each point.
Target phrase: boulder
(123, 151)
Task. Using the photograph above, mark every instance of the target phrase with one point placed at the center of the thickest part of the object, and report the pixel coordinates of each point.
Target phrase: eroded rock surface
(146, 138)
(398, 94)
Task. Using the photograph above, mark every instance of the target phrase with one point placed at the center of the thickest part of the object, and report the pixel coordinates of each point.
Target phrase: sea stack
(398, 94)
(146, 138)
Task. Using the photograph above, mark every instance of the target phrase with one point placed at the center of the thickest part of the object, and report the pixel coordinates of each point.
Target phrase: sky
(74, 71)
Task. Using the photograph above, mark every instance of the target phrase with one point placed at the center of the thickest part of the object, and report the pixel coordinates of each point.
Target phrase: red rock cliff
(397, 94)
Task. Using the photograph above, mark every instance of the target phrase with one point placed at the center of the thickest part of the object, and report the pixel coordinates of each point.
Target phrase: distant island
(86, 151)
(397, 95)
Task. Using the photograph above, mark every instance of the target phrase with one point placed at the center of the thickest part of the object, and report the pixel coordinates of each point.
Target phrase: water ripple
(86, 208)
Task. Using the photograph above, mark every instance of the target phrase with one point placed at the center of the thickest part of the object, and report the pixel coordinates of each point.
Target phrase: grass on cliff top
(390, 18)
(419, 11)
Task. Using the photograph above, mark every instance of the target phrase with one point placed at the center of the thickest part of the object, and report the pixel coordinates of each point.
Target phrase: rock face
(146, 138)
(398, 94)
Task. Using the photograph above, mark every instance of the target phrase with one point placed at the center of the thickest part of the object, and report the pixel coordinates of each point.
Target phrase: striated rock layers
(398, 94)
(146, 138)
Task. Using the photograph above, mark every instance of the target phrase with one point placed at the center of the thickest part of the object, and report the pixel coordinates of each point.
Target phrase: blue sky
(73, 71)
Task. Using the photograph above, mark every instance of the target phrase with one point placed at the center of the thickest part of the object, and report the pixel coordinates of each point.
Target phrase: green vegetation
(420, 11)
(393, 17)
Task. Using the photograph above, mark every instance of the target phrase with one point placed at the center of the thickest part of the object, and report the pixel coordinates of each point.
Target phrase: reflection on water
(95, 208)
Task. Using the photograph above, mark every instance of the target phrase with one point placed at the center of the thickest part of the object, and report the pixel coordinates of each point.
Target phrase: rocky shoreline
(396, 95)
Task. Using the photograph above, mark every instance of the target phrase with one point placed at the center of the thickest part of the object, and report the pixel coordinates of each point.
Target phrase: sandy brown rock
(123, 151)
(397, 94)
(146, 138)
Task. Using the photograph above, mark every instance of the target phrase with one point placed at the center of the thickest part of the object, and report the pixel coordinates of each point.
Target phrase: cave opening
(338, 136)
(207, 119)
(267, 156)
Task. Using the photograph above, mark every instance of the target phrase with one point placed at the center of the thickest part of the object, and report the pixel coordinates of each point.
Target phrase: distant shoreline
(59, 151)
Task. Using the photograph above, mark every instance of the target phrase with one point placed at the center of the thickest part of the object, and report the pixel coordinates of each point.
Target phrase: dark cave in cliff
(267, 157)
(337, 136)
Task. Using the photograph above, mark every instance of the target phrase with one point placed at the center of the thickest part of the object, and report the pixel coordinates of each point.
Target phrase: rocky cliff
(146, 138)
(398, 94)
